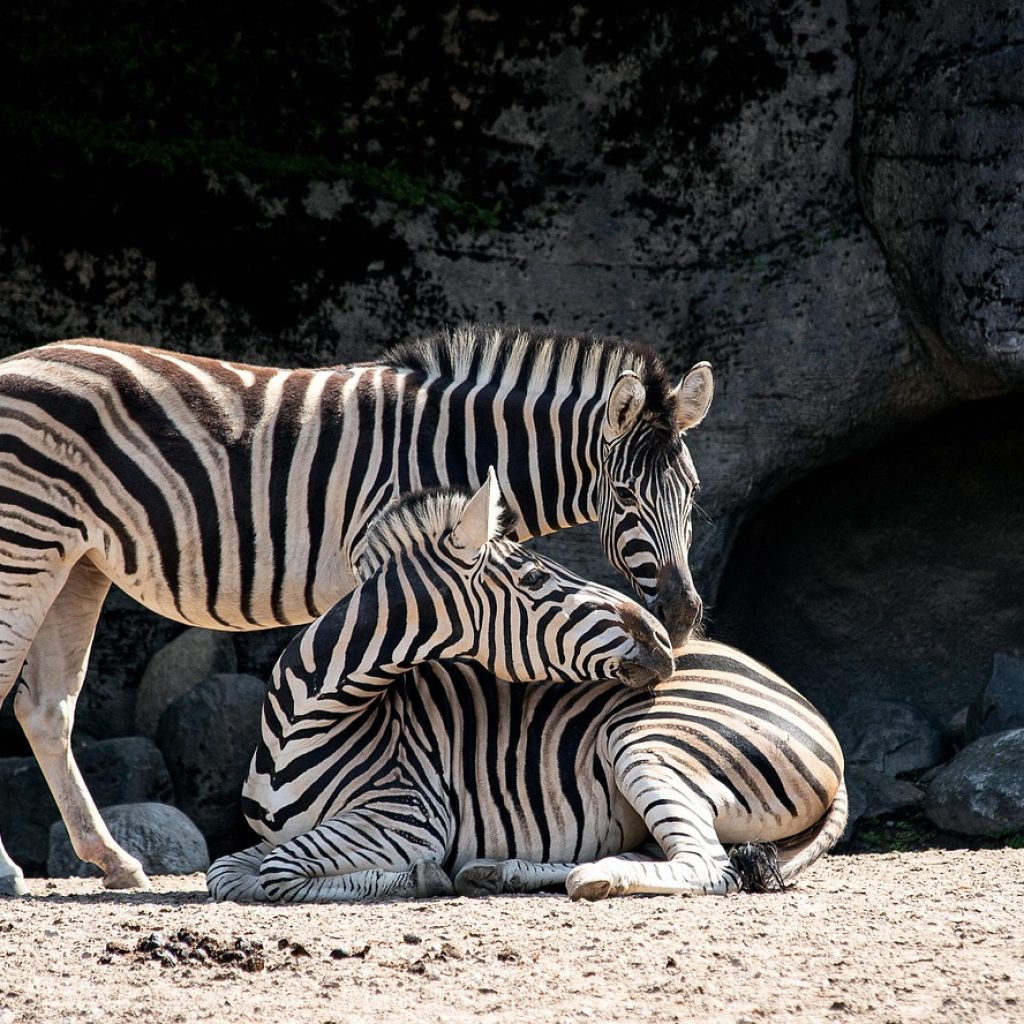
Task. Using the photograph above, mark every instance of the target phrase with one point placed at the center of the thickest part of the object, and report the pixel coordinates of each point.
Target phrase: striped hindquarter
(231, 496)
(206, 490)
(604, 789)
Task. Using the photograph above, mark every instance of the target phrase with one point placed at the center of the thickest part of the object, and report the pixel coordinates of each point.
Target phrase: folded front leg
(621, 876)
(682, 822)
(491, 877)
(356, 855)
(424, 878)
(236, 877)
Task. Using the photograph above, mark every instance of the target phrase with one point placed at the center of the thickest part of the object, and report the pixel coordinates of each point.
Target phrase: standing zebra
(385, 765)
(231, 496)
(343, 763)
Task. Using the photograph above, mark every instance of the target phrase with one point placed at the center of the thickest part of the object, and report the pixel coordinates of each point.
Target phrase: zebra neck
(348, 658)
(544, 446)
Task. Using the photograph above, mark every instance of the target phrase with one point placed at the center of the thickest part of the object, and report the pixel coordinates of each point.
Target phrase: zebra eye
(535, 579)
(626, 495)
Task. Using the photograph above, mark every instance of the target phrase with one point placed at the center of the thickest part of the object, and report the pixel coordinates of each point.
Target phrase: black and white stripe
(449, 773)
(231, 496)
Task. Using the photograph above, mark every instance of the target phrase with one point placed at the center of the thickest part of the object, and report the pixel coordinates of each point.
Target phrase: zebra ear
(481, 517)
(693, 396)
(625, 404)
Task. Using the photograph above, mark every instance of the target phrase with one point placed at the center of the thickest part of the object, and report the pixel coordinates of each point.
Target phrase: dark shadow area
(121, 897)
(192, 133)
(909, 830)
(898, 573)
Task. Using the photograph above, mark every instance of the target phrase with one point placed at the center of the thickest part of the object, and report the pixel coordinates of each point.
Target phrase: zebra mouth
(643, 670)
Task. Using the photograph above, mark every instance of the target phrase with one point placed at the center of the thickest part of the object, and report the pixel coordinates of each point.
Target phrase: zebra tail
(769, 867)
(757, 866)
(797, 853)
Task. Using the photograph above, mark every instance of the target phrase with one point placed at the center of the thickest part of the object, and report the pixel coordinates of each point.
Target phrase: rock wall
(819, 198)
(940, 141)
(822, 198)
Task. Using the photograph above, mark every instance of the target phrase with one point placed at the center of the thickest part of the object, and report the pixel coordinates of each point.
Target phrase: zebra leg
(423, 878)
(12, 880)
(682, 822)
(491, 877)
(236, 877)
(45, 706)
(30, 578)
(356, 855)
(623, 875)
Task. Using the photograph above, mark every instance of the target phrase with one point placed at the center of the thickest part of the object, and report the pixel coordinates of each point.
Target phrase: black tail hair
(757, 864)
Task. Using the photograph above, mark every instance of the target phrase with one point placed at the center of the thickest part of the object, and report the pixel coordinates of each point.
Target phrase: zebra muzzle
(677, 605)
(646, 667)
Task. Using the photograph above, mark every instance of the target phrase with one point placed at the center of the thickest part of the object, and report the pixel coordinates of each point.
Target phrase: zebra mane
(538, 361)
(413, 521)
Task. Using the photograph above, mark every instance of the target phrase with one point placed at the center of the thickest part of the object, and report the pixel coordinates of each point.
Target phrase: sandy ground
(931, 936)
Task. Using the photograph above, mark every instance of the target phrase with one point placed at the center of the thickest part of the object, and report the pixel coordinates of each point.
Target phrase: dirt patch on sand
(930, 936)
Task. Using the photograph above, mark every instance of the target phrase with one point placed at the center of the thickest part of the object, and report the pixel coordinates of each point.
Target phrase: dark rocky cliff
(822, 198)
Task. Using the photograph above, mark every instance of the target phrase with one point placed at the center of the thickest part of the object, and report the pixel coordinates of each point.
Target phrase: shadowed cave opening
(897, 573)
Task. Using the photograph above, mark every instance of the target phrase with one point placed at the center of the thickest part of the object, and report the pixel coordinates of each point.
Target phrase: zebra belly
(523, 765)
(583, 828)
(487, 806)
(563, 833)
(189, 604)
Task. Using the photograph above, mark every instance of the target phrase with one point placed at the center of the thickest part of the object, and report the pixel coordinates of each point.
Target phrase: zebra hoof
(430, 879)
(597, 889)
(13, 885)
(479, 878)
(584, 884)
(127, 878)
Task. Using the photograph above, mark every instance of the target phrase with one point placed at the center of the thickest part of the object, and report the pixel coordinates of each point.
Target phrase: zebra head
(645, 492)
(535, 621)
(466, 590)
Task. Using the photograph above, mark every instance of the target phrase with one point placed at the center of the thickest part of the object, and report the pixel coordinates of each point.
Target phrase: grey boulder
(956, 728)
(1000, 705)
(208, 736)
(889, 736)
(161, 837)
(176, 668)
(875, 793)
(258, 651)
(127, 636)
(981, 791)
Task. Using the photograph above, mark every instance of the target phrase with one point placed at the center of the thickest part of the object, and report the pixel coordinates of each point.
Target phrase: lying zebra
(387, 762)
